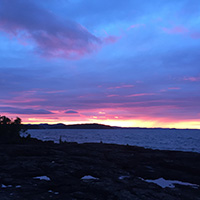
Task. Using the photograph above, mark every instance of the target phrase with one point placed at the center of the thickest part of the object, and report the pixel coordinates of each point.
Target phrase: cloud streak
(13, 110)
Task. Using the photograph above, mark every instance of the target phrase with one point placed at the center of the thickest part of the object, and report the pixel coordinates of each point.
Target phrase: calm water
(183, 140)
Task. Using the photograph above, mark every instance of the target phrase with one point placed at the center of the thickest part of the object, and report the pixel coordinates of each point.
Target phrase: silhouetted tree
(9, 129)
(17, 121)
(4, 120)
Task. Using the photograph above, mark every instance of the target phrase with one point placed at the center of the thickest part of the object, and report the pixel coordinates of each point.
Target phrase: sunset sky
(126, 63)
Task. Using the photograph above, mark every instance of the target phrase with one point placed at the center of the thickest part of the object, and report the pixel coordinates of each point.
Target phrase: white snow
(6, 186)
(3, 186)
(169, 183)
(51, 191)
(88, 177)
(46, 178)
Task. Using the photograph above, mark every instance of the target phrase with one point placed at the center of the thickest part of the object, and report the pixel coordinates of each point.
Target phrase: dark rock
(67, 163)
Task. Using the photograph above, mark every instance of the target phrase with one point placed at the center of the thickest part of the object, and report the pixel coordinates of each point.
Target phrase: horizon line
(113, 126)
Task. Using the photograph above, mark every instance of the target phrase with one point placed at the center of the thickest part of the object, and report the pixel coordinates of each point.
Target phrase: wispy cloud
(140, 94)
(112, 95)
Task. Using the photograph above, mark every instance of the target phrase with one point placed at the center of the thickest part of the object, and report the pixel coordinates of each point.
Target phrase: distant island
(86, 126)
(64, 126)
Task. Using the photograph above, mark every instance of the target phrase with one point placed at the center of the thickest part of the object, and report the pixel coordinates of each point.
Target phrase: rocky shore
(44, 170)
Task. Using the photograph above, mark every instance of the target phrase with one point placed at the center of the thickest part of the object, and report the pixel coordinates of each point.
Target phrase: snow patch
(88, 177)
(51, 191)
(45, 178)
(169, 183)
(3, 186)
(6, 186)
(123, 177)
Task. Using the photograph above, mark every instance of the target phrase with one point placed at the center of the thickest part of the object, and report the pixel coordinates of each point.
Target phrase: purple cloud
(13, 110)
(71, 112)
(54, 37)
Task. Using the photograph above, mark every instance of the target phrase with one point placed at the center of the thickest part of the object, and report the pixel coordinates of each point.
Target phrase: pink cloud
(175, 30)
(135, 26)
(113, 95)
(174, 88)
(110, 39)
(163, 90)
(140, 94)
(182, 30)
(121, 86)
(55, 91)
(195, 35)
(193, 79)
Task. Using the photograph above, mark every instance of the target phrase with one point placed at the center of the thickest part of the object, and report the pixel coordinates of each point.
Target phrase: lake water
(183, 140)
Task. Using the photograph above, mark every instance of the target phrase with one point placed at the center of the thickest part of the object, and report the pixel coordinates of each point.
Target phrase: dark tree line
(9, 129)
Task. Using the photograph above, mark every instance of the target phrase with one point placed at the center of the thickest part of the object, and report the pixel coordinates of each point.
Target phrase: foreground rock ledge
(94, 171)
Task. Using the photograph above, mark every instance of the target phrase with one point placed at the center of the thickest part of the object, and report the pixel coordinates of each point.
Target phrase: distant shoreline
(90, 126)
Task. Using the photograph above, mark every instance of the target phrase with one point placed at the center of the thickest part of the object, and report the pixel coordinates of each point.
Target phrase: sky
(125, 63)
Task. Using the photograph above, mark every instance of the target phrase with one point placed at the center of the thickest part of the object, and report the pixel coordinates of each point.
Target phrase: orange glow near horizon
(148, 123)
(108, 117)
